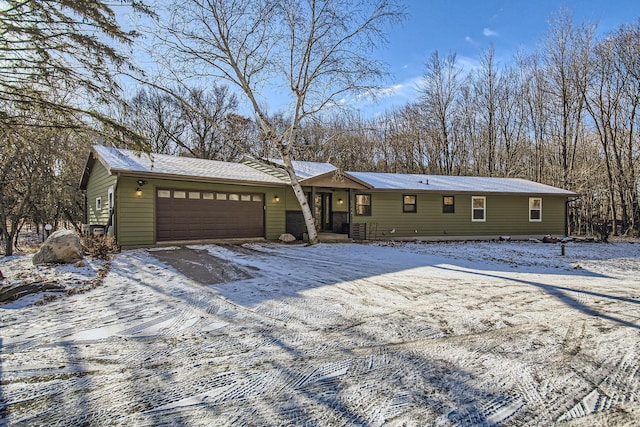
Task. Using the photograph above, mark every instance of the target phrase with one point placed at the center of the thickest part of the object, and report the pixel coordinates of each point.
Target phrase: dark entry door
(323, 212)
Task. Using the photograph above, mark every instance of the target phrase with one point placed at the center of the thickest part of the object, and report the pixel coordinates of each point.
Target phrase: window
(179, 194)
(194, 194)
(478, 208)
(207, 196)
(98, 203)
(164, 194)
(535, 209)
(409, 204)
(110, 198)
(448, 204)
(363, 204)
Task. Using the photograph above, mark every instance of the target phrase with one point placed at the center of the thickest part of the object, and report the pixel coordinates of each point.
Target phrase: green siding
(344, 195)
(275, 211)
(98, 186)
(136, 217)
(504, 215)
(291, 202)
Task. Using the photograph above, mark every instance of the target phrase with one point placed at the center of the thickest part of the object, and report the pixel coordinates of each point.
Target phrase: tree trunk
(8, 243)
(302, 200)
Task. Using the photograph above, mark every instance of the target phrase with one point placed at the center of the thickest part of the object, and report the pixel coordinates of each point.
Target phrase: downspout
(350, 214)
(566, 218)
(86, 207)
(115, 209)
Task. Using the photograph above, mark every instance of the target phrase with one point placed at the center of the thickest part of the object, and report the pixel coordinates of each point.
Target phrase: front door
(322, 211)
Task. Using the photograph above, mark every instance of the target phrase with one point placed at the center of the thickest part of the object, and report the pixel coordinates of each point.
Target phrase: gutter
(165, 176)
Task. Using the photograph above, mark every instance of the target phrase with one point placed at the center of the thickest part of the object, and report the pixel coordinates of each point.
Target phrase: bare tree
(39, 169)
(513, 138)
(486, 90)
(155, 115)
(565, 65)
(439, 91)
(612, 100)
(315, 52)
(535, 96)
(626, 42)
(188, 121)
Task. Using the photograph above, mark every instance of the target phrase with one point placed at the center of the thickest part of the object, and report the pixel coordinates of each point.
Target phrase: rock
(80, 264)
(62, 247)
(549, 239)
(1, 275)
(287, 238)
(505, 238)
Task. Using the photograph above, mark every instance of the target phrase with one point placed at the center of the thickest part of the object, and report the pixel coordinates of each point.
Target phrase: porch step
(334, 238)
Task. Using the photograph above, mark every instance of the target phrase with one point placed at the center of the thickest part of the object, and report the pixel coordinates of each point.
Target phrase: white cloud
(488, 32)
(389, 91)
(468, 39)
(389, 97)
(467, 64)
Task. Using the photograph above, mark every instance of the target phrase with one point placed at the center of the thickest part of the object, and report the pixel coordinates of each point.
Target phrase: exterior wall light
(276, 199)
(340, 201)
(139, 189)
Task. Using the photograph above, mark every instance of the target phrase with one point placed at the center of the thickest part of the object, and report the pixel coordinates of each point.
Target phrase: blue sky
(468, 27)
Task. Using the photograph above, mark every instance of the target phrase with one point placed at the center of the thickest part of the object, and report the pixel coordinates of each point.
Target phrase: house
(146, 200)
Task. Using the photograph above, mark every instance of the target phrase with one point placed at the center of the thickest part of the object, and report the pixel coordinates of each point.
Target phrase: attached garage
(192, 215)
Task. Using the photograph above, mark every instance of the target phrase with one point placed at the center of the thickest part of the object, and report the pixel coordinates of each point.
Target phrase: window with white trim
(535, 209)
(478, 208)
(98, 203)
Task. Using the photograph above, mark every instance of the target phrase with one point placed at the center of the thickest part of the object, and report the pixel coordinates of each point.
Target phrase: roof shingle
(121, 160)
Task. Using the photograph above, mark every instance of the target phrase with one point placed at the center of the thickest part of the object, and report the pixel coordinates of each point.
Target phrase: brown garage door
(192, 215)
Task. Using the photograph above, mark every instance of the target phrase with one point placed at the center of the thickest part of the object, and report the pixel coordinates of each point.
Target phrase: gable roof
(129, 162)
(309, 173)
(251, 171)
(306, 170)
(456, 184)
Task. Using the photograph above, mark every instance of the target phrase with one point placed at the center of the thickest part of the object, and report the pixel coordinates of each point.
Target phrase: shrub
(100, 247)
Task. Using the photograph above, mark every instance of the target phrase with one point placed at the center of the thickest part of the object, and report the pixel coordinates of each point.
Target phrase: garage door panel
(208, 215)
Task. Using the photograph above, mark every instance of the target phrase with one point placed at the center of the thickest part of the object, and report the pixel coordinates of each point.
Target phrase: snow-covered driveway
(419, 334)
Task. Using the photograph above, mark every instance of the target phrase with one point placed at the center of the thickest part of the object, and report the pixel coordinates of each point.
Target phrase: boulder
(287, 238)
(549, 239)
(62, 247)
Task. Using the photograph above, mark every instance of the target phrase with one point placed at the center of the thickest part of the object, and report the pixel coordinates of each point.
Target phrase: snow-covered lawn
(345, 334)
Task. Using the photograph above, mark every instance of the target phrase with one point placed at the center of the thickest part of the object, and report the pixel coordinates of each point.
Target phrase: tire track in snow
(618, 388)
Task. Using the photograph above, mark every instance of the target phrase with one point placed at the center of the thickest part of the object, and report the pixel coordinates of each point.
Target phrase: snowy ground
(345, 334)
